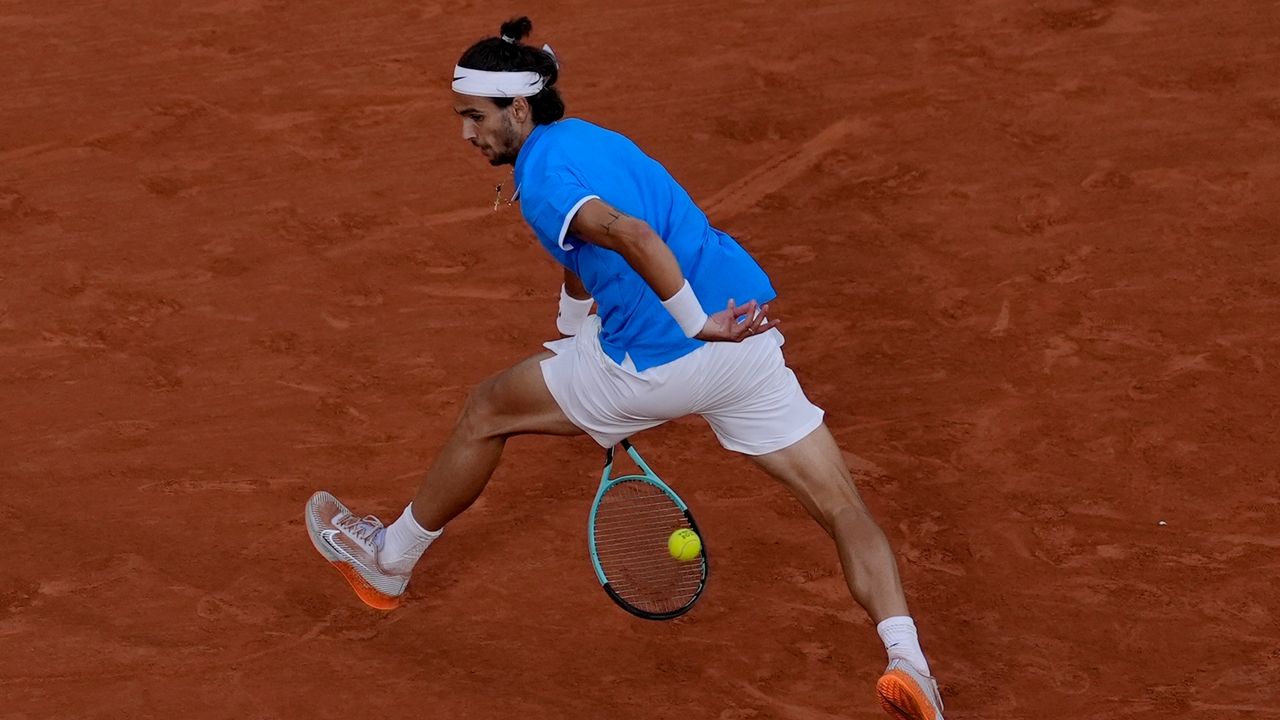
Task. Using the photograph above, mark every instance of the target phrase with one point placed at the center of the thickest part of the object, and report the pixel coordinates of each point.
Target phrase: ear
(520, 110)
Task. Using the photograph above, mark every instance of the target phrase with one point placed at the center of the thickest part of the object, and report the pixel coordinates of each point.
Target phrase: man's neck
(524, 138)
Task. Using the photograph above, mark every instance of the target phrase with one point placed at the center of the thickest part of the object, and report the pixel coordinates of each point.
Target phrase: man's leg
(513, 402)
(815, 472)
(378, 560)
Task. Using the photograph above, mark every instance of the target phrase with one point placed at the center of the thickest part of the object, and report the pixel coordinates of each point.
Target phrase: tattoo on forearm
(608, 227)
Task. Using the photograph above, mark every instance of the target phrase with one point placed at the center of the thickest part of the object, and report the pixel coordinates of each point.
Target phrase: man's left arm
(598, 223)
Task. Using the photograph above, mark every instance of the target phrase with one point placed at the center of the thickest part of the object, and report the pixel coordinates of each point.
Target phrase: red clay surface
(1027, 256)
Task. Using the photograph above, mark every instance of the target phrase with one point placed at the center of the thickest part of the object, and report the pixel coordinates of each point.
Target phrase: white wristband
(572, 312)
(687, 311)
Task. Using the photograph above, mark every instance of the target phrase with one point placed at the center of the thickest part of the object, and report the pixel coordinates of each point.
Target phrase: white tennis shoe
(908, 694)
(352, 543)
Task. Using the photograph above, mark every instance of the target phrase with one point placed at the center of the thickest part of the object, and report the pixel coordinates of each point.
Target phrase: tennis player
(669, 338)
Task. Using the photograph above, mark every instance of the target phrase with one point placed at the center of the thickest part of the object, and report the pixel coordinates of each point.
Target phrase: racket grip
(608, 454)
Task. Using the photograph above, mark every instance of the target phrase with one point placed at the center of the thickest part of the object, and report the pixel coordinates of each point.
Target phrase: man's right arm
(573, 284)
(575, 304)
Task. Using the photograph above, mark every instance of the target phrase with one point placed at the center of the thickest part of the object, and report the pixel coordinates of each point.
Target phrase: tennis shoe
(351, 544)
(908, 694)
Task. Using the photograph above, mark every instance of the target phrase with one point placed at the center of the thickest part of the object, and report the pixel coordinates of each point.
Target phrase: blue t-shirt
(563, 165)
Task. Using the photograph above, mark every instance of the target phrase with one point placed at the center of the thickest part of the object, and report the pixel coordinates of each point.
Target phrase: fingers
(759, 319)
(767, 327)
(746, 327)
(739, 322)
(761, 323)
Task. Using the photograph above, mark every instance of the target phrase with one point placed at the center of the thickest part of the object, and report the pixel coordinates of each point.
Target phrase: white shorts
(744, 390)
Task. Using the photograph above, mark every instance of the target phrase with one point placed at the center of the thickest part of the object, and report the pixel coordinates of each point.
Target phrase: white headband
(489, 83)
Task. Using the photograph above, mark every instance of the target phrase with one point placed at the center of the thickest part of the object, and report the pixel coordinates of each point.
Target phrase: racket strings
(633, 523)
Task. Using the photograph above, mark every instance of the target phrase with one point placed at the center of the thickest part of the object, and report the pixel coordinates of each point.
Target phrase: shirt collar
(525, 150)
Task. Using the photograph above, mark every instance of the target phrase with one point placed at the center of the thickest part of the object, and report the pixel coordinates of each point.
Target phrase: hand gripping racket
(632, 519)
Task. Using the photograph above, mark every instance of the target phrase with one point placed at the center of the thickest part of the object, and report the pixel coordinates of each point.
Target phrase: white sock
(901, 641)
(404, 543)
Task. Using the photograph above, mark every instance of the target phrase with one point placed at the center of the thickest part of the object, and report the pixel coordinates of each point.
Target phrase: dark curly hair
(507, 54)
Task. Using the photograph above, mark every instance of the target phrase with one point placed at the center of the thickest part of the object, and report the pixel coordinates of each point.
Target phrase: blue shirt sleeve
(551, 205)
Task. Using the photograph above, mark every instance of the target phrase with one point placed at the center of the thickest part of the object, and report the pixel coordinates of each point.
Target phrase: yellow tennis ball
(684, 544)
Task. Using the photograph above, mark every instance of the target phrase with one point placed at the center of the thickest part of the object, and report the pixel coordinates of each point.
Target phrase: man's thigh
(516, 401)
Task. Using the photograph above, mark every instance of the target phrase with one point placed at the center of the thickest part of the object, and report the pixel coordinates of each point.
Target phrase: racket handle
(635, 455)
(608, 454)
(608, 467)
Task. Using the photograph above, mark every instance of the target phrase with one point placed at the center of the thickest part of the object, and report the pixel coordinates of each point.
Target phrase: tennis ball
(684, 544)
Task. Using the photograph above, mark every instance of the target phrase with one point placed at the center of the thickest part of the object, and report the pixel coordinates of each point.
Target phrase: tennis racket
(632, 518)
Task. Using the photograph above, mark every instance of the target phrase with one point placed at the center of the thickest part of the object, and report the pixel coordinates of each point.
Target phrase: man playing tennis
(633, 243)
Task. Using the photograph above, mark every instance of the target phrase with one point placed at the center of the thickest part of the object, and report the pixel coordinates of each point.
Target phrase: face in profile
(489, 127)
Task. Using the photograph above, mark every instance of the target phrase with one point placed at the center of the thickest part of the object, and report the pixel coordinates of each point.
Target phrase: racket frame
(649, 476)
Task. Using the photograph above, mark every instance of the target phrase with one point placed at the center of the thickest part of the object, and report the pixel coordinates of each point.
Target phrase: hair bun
(517, 29)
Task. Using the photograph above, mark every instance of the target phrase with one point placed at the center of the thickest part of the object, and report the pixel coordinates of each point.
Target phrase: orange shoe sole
(902, 698)
(367, 594)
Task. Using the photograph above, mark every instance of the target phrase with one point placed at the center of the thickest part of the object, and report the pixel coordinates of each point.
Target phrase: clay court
(1027, 256)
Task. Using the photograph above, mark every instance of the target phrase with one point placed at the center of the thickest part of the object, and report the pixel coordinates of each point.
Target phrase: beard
(506, 153)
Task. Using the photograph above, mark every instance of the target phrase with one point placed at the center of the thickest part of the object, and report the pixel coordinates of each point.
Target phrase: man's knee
(481, 414)
(843, 512)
